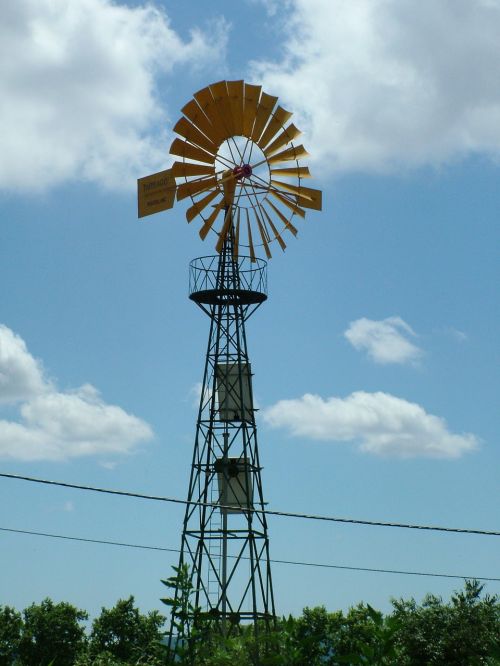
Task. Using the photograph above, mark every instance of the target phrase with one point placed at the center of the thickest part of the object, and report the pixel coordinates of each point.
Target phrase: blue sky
(376, 355)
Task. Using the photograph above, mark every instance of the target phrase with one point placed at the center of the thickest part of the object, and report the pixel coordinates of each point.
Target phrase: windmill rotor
(241, 167)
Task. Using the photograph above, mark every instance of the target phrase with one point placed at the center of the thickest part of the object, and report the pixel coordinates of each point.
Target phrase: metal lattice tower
(226, 544)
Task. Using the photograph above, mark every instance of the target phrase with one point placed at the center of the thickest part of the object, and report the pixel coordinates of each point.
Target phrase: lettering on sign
(155, 193)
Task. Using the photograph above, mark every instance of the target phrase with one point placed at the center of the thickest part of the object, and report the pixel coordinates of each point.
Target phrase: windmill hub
(243, 171)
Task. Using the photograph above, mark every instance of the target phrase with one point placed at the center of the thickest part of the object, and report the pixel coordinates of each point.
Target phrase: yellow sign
(155, 193)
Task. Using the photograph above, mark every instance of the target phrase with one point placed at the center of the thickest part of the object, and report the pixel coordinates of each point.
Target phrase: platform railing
(252, 281)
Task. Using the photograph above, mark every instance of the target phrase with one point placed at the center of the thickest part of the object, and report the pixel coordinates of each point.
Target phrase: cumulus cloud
(78, 83)
(21, 376)
(380, 85)
(385, 341)
(55, 425)
(379, 423)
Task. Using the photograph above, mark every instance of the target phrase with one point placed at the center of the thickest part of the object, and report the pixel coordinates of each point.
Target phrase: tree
(315, 634)
(10, 635)
(126, 634)
(465, 631)
(368, 638)
(52, 632)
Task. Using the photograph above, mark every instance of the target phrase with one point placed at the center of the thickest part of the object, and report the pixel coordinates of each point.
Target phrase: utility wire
(267, 512)
(294, 562)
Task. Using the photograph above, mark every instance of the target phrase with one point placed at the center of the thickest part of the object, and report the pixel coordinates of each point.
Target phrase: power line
(267, 512)
(293, 562)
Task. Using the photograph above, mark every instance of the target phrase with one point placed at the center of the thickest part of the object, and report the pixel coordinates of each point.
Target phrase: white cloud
(54, 425)
(380, 85)
(380, 423)
(78, 88)
(20, 374)
(386, 341)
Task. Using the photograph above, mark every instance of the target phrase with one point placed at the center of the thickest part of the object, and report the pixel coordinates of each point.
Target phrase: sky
(375, 355)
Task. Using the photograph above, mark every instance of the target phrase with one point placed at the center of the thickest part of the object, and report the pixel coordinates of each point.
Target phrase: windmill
(240, 167)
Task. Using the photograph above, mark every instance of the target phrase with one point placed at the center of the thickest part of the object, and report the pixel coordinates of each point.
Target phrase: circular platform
(244, 283)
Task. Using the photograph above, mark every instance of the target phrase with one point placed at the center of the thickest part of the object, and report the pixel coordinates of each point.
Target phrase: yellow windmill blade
(306, 196)
(262, 115)
(263, 235)
(276, 122)
(187, 130)
(250, 104)
(235, 92)
(193, 187)
(199, 120)
(288, 225)
(211, 219)
(221, 99)
(294, 153)
(199, 207)
(236, 152)
(286, 202)
(310, 198)
(291, 172)
(276, 233)
(289, 134)
(185, 149)
(299, 190)
(190, 169)
(207, 103)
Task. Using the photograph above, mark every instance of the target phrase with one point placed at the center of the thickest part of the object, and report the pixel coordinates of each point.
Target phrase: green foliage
(314, 635)
(190, 634)
(220, 651)
(362, 636)
(183, 613)
(279, 647)
(107, 659)
(122, 633)
(464, 631)
(52, 632)
(10, 635)
(374, 643)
